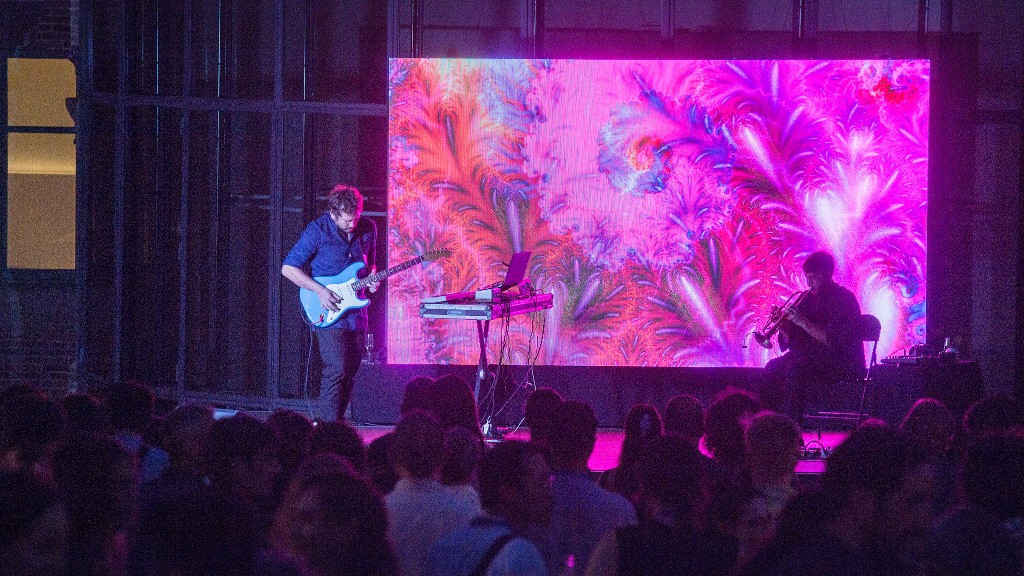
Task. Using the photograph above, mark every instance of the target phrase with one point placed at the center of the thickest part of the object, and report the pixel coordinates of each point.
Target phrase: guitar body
(340, 284)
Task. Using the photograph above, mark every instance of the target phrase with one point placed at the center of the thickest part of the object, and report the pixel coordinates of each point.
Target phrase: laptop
(513, 277)
(516, 270)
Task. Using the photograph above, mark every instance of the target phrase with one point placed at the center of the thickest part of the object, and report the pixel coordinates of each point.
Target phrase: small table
(958, 385)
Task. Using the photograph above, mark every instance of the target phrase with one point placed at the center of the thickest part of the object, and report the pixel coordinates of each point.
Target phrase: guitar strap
(496, 547)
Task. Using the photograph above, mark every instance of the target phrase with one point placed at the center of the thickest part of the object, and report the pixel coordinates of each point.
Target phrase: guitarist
(329, 244)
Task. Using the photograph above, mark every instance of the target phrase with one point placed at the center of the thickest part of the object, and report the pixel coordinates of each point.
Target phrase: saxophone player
(818, 336)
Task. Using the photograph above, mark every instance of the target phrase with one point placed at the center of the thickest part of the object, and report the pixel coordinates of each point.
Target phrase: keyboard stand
(483, 327)
(483, 313)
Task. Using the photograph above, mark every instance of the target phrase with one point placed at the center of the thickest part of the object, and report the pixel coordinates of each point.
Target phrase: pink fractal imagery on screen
(668, 204)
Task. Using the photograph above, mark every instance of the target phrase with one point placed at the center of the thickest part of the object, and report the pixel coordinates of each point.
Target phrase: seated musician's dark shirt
(837, 312)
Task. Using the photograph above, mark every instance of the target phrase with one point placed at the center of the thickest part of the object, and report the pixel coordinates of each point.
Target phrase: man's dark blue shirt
(328, 252)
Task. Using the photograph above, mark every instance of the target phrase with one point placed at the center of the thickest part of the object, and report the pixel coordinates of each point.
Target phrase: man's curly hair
(344, 199)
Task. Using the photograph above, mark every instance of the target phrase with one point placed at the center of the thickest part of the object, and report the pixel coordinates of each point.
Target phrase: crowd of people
(99, 485)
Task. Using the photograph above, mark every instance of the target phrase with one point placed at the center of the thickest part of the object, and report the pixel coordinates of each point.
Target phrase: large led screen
(668, 204)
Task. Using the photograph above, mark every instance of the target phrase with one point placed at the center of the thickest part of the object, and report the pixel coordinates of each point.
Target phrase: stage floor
(609, 445)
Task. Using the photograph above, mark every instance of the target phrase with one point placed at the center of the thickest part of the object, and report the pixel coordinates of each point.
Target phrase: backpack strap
(496, 547)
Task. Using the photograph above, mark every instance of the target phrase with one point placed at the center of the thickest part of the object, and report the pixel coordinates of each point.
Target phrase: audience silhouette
(100, 485)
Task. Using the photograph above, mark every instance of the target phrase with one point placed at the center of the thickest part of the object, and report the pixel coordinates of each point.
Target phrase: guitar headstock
(435, 254)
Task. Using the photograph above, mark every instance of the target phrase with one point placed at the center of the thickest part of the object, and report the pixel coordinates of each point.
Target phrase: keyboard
(485, 310)
(909, 360)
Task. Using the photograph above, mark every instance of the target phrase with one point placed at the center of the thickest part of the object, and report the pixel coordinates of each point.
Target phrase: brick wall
(37, 336)
(56, 29)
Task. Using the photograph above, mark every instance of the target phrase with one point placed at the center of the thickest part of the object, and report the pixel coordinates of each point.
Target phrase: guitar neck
(360, 284)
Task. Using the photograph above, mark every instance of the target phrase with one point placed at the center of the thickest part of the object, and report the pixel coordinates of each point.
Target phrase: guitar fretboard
(360, 284)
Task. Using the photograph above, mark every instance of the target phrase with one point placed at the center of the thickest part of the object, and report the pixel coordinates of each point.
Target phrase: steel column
(3, 162)
(417, 29)
(120, 153)
(183, 209)
(668, 24)
(276, 213)
(1019, 352)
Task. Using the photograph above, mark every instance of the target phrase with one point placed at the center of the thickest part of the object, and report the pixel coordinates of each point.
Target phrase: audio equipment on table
(905, 360)
(918, 354)
(774, 322)
(470, 310)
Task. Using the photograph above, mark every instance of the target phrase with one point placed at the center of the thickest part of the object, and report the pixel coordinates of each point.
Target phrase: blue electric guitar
(347, 284)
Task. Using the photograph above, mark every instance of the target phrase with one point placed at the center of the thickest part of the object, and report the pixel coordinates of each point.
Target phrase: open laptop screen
(516, 270)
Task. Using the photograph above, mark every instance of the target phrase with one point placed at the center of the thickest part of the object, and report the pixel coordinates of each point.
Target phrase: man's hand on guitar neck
(328, 299)
(373, 286)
